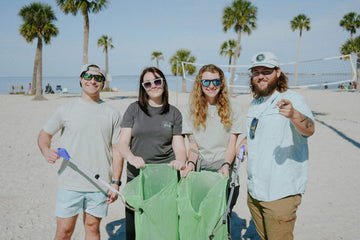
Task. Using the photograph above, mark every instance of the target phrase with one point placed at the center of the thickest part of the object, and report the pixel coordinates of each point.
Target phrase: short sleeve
(55, 123)
(129, 116)
(186, 126)
(237, 119)
(116, 128)
(177, 130)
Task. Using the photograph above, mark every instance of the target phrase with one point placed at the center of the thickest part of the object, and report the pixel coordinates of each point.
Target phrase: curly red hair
(199, 105)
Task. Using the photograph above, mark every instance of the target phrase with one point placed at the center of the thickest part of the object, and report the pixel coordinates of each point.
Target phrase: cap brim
(263, 65)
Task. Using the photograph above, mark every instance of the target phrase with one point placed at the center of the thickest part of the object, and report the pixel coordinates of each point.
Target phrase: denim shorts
(70, 203)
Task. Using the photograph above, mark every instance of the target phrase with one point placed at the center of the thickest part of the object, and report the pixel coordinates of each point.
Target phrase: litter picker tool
(232, 185)
(65, 155)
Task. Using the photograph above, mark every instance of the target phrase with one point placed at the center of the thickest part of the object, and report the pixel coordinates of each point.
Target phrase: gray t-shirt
(213, 140)
(151, 135)
(87, 132)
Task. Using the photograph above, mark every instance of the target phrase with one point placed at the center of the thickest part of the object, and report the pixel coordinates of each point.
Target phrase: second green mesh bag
(155, 192)
(202, 202)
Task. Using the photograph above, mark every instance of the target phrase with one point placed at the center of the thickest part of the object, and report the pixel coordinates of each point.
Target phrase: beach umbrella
(154, 191)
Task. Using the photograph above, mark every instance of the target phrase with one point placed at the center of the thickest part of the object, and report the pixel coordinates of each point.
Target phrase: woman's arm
(124, 142)
(229, 155)
(193, 155)
(178, 144)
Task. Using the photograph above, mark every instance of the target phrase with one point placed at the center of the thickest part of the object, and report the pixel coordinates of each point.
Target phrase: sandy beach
(329, 208)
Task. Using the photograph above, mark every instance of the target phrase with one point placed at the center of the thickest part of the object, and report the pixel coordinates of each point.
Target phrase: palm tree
(158, 56)
(353, 46)
(242, 16)
(227, 49)
(73, 6)
(350, 22)
(106, 42)
(301, 22)
(182, 55)
(38, 23)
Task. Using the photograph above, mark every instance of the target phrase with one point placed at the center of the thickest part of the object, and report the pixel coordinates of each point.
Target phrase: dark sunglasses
(253, 126)
(215, 82)
(97, 78)
(264, 73)
(157, 82)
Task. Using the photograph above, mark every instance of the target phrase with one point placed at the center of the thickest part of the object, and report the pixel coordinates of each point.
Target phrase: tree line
(241, 15)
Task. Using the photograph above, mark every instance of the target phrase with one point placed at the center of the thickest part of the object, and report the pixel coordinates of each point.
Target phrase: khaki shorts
(275, 220)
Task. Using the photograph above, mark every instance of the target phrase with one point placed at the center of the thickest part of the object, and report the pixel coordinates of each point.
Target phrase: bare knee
(65, 228)
(92, 225)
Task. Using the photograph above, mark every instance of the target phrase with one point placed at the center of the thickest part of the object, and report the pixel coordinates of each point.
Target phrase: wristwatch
(116, 182)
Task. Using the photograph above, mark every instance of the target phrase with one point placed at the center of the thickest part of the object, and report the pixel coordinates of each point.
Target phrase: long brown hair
(143, 97)
(198, 103)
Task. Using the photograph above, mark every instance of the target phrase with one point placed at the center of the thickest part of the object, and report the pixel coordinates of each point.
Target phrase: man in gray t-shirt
(90, 131)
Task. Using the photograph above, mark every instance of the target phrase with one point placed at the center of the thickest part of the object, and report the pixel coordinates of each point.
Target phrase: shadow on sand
(341, 134)
(116, 229)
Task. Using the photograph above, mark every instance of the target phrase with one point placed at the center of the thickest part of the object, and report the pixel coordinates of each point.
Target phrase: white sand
(330, 207)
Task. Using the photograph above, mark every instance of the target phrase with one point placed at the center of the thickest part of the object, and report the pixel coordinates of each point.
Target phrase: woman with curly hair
(212, 124)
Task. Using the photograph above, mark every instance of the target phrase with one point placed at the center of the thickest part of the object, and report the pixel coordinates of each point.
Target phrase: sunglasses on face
(97, 78)
(264, 73)
(157, 82)
(215, 82)
(253, 126)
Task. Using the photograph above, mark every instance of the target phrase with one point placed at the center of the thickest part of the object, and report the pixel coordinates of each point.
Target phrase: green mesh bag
(202, 202)
(155, 192)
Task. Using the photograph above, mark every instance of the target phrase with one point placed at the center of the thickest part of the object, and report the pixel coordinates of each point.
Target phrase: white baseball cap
(92, 67)
(265, 59)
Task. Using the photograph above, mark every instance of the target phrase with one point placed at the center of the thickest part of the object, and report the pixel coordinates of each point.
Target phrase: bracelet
(192, 163)
(226, 163)
(116, 182)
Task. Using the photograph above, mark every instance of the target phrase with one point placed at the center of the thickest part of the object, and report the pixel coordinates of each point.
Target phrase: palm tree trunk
(107, 83)
(33, 84)
(297, 62)
(38, 95)
(230, 63)
(157, 62)
(86, 37)
(237, 50)
(358, 72)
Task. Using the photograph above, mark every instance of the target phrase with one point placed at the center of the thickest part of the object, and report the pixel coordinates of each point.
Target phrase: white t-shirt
(87, 132)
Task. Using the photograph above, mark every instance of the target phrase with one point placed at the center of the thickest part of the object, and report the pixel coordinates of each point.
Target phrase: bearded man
(278, 123)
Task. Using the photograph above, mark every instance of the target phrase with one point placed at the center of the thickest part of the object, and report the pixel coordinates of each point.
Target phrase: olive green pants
(275, 220)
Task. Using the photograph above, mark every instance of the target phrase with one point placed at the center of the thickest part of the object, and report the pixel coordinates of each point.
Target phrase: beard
(272, 85)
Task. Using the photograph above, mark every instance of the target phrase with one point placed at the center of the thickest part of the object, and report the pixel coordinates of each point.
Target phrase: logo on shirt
(167, 124)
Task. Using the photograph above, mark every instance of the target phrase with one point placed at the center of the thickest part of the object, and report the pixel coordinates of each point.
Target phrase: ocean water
(121, 82)
(131, 82)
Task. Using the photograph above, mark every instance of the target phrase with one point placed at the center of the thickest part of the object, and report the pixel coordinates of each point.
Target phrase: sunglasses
(157, 82)
(215, 82)
(97, 78)
(253, 126)
(264, 73)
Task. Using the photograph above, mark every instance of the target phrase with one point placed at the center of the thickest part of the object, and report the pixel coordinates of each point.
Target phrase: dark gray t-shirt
(151, 136)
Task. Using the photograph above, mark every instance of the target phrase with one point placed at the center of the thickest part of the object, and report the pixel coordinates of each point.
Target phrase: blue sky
(140, 27)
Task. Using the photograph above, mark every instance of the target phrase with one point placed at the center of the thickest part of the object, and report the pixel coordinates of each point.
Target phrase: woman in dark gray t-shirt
(151, 132)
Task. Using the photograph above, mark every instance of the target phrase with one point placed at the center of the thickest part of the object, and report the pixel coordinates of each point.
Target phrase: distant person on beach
(212, 124)
(151, 132)
(48, 89)
(29, 88)
(90, 131)
(278, 123)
